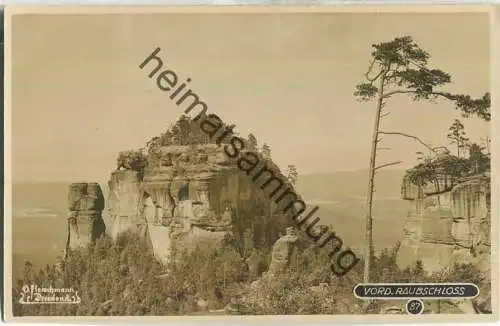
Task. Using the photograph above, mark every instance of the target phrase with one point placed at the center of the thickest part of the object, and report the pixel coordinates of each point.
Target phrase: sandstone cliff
(449, 226)
(123, 201)
(186, 193)
(85, 206)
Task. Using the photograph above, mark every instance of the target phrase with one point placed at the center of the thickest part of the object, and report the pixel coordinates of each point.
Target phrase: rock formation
(123, 201)
(85, 205)
(449, 224)
(282, 252)
(188, 193)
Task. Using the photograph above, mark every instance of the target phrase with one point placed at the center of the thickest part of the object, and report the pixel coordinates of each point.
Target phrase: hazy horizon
(388, 170)
(78, 96)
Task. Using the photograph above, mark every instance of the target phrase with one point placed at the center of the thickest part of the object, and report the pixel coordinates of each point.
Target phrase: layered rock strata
(449, 227)
(188, 195)
(85, 222)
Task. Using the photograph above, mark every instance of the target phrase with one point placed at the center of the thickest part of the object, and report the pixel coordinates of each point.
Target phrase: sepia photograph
(299, 162)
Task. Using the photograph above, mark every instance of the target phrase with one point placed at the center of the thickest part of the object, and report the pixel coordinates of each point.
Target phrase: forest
(123, 278)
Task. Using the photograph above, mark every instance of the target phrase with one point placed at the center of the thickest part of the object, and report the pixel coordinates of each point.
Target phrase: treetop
(401, 67)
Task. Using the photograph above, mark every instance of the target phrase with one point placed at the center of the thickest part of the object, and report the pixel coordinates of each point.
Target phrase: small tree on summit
(266, 151)
(479, 161)
(183, 129)
(487, 142)
(457, 136)
(400, 67)
(252, 142)
(292, 174)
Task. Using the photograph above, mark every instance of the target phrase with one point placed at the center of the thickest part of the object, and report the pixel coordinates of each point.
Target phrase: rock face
(281, 258)
(189, 194)
(85, 205)
(123, 201)
(448, 226)
(282, 252)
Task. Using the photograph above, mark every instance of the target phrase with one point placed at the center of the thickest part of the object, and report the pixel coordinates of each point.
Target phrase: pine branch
(367, 74)
(399, 91)
(387, 164)
(432, 149)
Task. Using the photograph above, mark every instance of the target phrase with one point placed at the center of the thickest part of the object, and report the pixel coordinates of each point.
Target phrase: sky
(78, 96)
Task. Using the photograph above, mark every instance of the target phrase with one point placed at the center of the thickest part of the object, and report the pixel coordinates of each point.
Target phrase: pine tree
(292, 174)
(458, 136)
(400, 67)
(266, 151)
(252, 142)
(479, 161)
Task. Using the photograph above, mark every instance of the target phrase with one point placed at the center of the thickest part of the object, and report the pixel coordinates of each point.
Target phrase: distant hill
(340, 195)
(349, 185)
(328, 187)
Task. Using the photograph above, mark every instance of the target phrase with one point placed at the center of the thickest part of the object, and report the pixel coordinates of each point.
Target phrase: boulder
(282, 251)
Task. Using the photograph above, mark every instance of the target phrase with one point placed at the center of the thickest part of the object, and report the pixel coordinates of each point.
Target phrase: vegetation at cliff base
(123, 278)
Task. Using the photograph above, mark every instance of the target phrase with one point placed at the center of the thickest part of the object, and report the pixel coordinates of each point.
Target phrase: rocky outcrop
(445, 228)
(123, 201)
(188, 195)
(282, 252)
(85, 206)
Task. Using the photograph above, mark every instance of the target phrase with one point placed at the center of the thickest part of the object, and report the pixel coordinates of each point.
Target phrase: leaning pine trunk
(371, 177)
